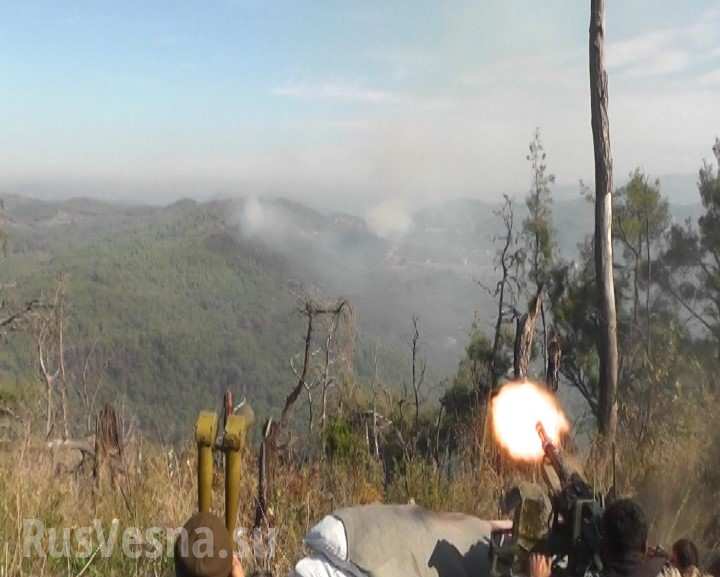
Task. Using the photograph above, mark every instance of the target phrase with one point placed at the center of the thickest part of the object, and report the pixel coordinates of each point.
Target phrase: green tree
(576, 321)
(11, 313)
(538, 230)
(480, 354)
(642, 217)
(3, 232)
(691, 263)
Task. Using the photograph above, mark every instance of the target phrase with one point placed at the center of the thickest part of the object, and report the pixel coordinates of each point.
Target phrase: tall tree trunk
(636, 290)
(552, 375)
(546, 359)
(648, 282)
(323, 419)
(607, 335)
(498, 332)
(61, 356)
(49, 417)
(524, 334)
(506, 260)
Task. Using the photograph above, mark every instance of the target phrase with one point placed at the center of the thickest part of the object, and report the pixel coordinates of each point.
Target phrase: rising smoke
(390, 219)
(262, 221)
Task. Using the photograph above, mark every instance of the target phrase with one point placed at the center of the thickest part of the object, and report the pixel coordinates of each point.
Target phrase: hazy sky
(318, 100)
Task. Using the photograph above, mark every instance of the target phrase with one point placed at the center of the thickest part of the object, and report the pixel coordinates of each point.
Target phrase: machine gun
(563, 522)
(574, 532)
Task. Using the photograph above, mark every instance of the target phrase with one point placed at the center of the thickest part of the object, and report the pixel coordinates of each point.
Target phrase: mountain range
(185, 300)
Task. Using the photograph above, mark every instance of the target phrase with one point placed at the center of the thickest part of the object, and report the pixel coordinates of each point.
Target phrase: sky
(345, 104)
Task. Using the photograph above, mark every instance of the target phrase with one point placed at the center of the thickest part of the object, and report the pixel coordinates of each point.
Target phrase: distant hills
(189, 299)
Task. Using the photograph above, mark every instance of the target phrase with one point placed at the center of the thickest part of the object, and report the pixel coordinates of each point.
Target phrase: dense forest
(161, 310)
(174, 305)
(532, 361)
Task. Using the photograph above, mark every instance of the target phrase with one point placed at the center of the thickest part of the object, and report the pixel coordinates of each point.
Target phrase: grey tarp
(409, 541)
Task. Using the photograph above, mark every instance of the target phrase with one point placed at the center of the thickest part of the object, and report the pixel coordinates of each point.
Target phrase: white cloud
(431, 137)
(335, 91)
(667, 51)
(664, 63)
(350, 125)
(358, 93)
(476, 147)
(402, 63)
(639, 49)
(711, 78)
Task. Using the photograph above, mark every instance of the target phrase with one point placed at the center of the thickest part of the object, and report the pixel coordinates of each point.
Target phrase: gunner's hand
(237, 568)
(540, 565)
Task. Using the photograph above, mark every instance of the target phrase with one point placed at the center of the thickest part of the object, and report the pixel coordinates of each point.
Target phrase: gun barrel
(543, 435)
(553, 455)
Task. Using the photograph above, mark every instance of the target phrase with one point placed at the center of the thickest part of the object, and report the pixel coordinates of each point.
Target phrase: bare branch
(270, 443)
(524, 336)
(17, 316)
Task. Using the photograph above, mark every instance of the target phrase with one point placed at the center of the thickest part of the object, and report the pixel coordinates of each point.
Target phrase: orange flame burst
(516, 411)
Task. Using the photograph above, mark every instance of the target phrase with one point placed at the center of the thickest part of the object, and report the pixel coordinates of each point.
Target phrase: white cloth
(329, 538)
(328, 543)
(317, 566)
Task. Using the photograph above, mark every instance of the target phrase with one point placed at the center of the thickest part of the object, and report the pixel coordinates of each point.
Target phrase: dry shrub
(673, 472)
(672, 467)
(158, 491)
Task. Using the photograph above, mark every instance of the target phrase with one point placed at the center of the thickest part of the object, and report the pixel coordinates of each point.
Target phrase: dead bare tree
(85, 369)
(418, 368)
(374, 393)
(324, 376)
(436, 444)
(49, 379)
(607, 335)
(508, 260)
(46, 320)
(228, 406)
(108, 469)
(309, 387)
(50, 346)
(273, 429)
(261, 507)
(552, 376)
(13, 319)
(524, 333)
(327, 380)
(13, 316)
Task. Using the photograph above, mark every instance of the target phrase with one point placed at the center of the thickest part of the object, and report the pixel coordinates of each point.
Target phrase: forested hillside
(173, 305)
(170, 301)
(356, 288)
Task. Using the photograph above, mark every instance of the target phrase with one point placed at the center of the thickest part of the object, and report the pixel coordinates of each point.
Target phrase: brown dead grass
(667, 473)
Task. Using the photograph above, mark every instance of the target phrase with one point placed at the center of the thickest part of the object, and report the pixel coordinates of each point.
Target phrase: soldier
(714, 567)
(685, 558)
(204, 549)
(625, 552)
